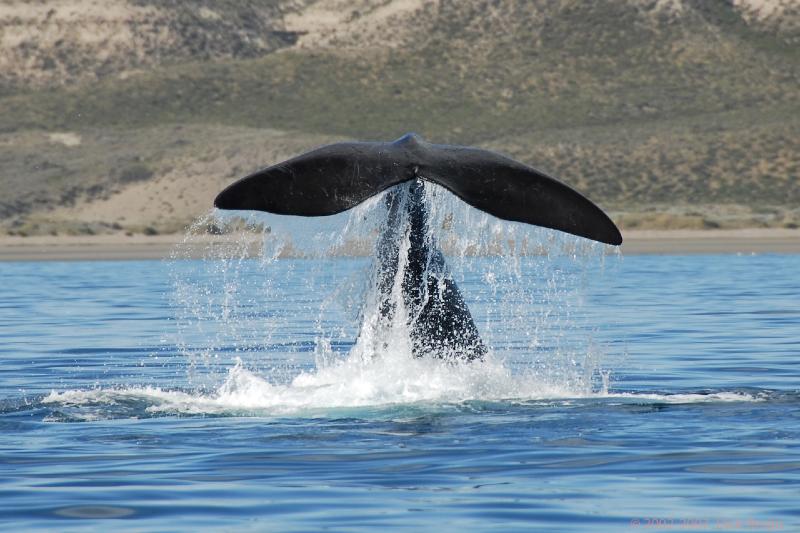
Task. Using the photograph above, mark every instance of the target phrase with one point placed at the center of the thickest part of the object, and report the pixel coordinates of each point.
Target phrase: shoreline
(141, 247)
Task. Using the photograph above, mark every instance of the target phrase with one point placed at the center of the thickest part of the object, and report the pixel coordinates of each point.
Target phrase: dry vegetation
(128, 115)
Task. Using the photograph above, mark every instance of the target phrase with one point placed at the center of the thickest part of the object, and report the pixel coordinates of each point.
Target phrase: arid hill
(127, 115)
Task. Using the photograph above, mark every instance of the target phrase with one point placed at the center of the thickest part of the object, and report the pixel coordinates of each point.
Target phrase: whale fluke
(337, 177)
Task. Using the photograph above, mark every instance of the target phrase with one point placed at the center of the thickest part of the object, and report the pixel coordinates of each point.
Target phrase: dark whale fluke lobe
(337, 177)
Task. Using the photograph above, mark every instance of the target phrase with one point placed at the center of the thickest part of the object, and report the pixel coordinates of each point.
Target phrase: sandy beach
(139, 247)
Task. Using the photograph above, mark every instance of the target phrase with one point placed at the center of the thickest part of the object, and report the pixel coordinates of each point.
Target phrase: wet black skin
(439, 320)
(337, 177)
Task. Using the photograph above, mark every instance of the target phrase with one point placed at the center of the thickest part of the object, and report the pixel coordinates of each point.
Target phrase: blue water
(140, 396)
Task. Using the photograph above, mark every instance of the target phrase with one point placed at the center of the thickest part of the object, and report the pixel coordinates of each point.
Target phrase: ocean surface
(621, 394)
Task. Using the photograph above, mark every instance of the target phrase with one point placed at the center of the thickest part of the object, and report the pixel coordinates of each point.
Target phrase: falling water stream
(273, 273)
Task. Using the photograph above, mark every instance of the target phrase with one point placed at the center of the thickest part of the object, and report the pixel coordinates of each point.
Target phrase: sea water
(230, 393)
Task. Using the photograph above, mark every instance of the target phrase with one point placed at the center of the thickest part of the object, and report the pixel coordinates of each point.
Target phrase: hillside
(60, 42)
(679, 113)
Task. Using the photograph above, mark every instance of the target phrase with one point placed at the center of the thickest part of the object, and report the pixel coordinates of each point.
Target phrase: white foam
(354, 383)
(680, 398)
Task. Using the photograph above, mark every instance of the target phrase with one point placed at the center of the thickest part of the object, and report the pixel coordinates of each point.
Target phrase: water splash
(242, 302)
(381, 385)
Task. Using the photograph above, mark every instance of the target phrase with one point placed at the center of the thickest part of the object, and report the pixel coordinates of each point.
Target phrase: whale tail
(337, 177)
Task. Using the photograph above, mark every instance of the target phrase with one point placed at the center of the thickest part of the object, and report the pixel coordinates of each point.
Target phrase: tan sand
(121, 247)
(96, 247)
(740, 241)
